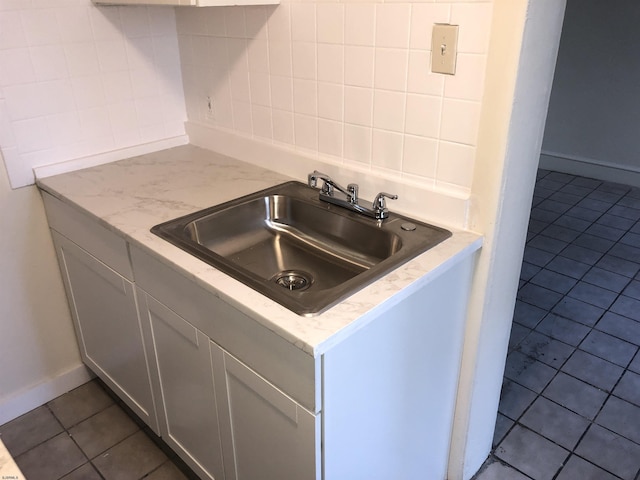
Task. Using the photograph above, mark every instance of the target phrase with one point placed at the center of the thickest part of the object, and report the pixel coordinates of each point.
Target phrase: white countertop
(131, 196)
(8, 468)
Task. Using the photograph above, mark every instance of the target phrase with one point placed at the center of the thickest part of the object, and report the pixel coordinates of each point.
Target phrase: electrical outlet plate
(210, 113)
(444, 48)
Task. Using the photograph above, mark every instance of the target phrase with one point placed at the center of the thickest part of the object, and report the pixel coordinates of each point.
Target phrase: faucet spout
(332, 192)
(329, 186)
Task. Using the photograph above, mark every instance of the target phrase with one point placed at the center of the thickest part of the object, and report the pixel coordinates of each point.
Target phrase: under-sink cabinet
(103, 307)
(223, 418)
(237, 400)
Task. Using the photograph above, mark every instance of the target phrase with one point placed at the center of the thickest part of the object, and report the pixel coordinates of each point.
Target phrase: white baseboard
(592, 168)
(33, 397)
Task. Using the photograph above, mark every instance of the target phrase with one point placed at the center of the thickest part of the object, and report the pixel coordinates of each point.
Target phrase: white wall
(345, 81)
(522, 53)
(36, 334)
(77, 80)
(594, 113)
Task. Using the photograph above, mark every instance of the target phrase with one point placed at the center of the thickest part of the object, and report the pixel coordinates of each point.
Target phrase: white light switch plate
(444, 48)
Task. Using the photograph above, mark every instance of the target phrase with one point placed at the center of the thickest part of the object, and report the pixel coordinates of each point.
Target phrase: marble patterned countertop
(130, 196)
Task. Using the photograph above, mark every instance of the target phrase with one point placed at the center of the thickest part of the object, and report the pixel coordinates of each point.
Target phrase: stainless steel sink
(297, 250)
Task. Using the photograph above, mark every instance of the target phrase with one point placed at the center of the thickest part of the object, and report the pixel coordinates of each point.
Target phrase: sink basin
(297, 250)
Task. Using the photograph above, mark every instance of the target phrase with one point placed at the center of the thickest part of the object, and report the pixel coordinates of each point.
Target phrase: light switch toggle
(443, 59)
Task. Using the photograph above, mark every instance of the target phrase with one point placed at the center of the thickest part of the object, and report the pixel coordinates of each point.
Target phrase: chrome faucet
(334, 193)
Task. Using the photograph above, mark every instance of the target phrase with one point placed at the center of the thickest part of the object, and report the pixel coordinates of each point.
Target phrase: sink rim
(306, 302)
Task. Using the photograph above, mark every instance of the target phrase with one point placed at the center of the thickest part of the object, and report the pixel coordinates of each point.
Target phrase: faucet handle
(312, 180)
(380, 204)
(352, 188)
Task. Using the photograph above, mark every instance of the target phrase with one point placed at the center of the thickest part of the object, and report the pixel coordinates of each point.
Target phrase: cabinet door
(269, 435)
(189, 420)
(103, 307)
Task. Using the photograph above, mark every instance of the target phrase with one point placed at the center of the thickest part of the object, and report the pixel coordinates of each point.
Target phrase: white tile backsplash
(455, 164)
(234, 21)
(78, 80)
(74, 24)
(40, 26)
(387, 150)
(282, 93)
(357, 143)
(422, 16)
(360, 23)
(306, 131)
(388, 110)
(423, 115)
(348, 80)
(283, 127)
(303, 22)
(330, 137)
(331, 63)
(305, 96)
(330, 17)
(420, 156)
(392, 25)
(358, 65)
(460, 121)
(358, 106)
(331, 101)
(304, 60)
(18, 67)
(391, 65)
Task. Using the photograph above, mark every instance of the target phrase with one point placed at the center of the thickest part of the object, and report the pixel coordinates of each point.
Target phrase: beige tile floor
(86, 435)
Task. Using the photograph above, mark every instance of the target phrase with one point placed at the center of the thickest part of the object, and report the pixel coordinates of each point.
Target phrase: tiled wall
(78, 80)
(349, 81)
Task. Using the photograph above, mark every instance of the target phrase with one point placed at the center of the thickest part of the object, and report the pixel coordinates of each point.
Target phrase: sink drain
(294, 280)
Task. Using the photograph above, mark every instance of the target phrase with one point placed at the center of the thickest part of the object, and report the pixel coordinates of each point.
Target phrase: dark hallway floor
(570, 402)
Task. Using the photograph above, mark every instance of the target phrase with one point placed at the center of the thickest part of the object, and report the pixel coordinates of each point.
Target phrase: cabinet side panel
(389, 390)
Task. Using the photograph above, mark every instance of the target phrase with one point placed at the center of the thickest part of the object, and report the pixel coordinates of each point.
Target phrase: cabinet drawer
(88, 234)
(279, 361)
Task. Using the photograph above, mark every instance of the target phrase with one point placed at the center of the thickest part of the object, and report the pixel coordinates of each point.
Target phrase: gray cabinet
(103, 307)
(272, 436)
(188, 419)
(238, 401)
(222, 418)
